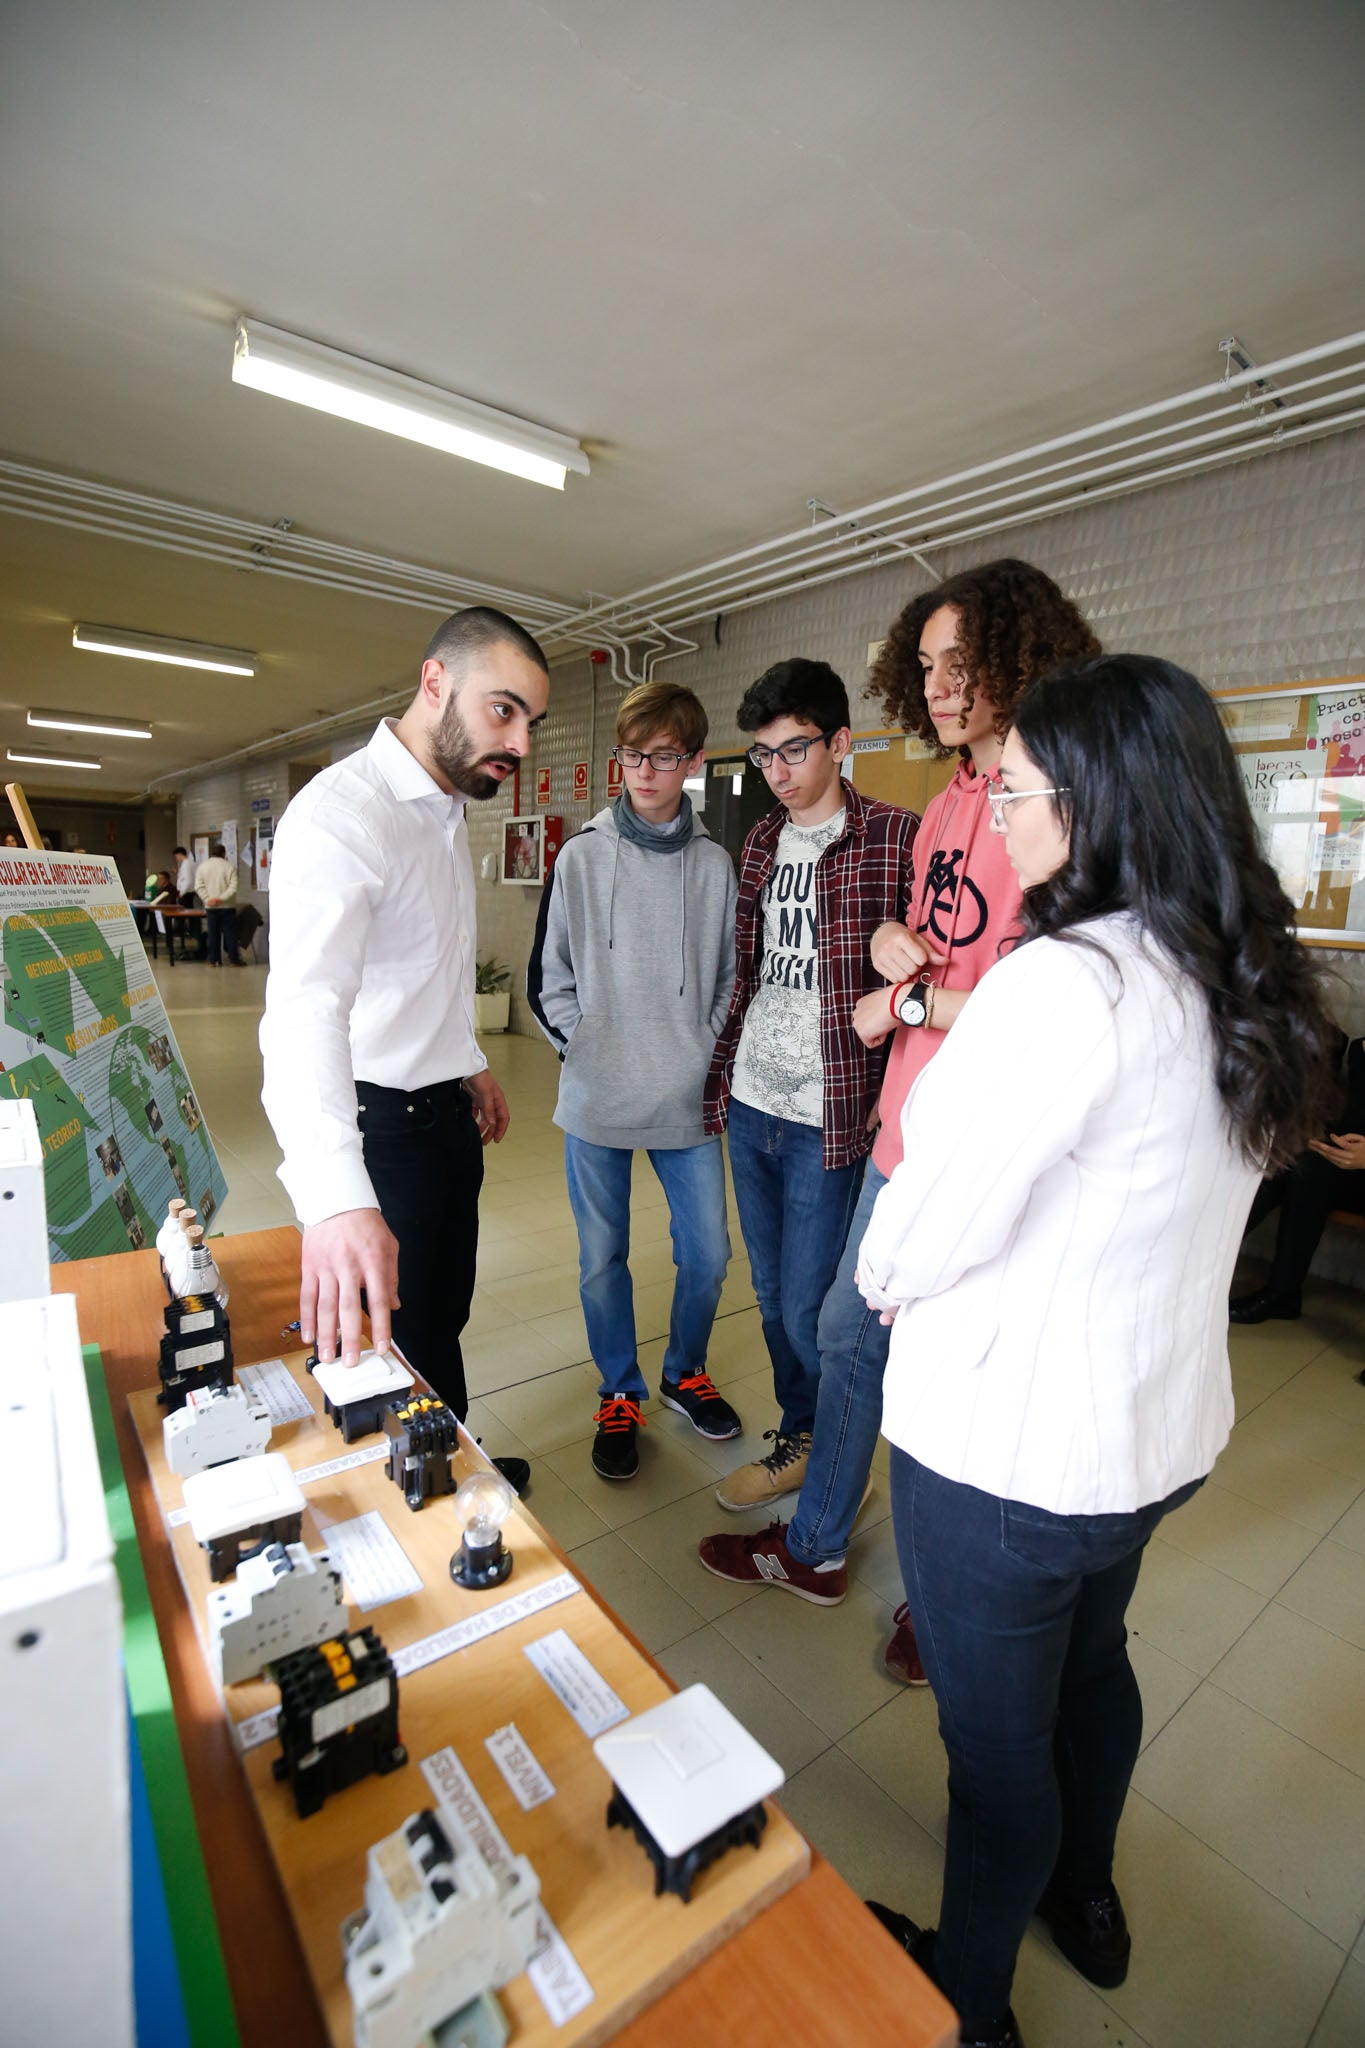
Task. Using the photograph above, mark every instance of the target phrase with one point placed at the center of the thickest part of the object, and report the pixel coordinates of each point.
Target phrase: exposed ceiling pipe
(1259, 373)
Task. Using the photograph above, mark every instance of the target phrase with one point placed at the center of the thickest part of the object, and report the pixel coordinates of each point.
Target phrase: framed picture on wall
(1301, 750)
(523, 851)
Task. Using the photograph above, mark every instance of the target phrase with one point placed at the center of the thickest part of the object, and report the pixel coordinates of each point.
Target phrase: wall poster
(1301, 750)
(84, 1035)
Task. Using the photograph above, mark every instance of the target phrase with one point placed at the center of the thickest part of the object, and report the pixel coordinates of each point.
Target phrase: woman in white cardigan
(1058, 1275)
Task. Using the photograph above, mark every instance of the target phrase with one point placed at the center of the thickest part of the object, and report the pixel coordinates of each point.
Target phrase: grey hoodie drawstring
(682, 897)
(611, 907)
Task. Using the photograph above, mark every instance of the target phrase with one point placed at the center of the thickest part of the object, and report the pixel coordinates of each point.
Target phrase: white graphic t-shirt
(778, 1067)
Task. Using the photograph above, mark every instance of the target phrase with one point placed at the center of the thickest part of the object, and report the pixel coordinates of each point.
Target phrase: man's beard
(453, 752)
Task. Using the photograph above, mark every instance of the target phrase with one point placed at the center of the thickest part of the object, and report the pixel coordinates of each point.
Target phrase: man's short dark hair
(472, 632)
(796, 689)
(219, 852)
(183, 850)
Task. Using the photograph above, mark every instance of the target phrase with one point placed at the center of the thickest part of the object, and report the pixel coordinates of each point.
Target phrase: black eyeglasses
(791, 752)
(662, 763)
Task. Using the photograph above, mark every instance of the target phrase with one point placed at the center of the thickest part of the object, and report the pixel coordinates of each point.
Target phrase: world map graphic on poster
(85, 1037)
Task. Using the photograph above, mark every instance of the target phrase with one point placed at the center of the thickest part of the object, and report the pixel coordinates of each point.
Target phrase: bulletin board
(84, 1036)
(1301, 750)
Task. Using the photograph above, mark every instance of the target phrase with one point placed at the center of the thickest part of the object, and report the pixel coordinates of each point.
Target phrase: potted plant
(492, 1001)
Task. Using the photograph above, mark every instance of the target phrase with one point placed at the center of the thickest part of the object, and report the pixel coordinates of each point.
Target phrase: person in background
(215, 884)
(1057, 1277)
(630, 980)
(374, 1082)
(952, 671)
(1329, 1175)
(796, 1083)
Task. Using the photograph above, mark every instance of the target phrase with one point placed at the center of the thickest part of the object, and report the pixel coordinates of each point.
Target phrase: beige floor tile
(705, 1658)
(1055, 2005)
(563, 1329)
(1217, 1962)
(1164, 1684)
(548, 1412)
(667, 1471)
(1278, 1347)
(1250, 1387)
(872, 1557)
(1304, 1678)
(507, 1359)
(653, 1307)
(798, 1646)
(1330, 1589)
(1249, 1543)
(873, 1844)
(1193, 1613)
(900, 1750)
(1329, 1382)
(556, 1506)
(1261, 1470)
(1302, 1427)
(651, 1608)
(667, 1539)
(1343, 2021)
(1283, 1813)
(1350, 1530)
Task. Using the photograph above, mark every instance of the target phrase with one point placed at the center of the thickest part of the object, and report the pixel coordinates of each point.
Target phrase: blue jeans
(1019, 1620)
(853, 1342)
(795, 1217)
(693, 1179)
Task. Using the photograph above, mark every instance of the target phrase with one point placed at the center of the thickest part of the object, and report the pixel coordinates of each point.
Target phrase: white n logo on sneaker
(769, 1567)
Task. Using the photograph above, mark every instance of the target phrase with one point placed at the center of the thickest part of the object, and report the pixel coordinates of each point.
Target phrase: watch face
(912, 1008)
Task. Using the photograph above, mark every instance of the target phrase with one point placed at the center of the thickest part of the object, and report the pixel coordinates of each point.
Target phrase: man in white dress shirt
(374, 1082)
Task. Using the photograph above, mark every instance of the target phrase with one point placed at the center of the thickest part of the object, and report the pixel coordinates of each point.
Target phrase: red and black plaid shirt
(862, 879)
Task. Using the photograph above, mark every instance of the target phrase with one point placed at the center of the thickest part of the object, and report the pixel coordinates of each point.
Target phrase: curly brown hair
(1014, 625)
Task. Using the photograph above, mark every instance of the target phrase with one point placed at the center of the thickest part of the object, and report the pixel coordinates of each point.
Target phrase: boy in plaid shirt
(818, 875)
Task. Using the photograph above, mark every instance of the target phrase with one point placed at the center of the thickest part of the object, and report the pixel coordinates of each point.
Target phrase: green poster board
(84, 1035)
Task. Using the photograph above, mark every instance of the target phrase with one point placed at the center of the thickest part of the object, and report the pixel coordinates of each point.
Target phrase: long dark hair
(1014, 625)
(1160, 826)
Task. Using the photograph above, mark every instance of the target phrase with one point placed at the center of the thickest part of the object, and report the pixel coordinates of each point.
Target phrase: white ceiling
(749, 253)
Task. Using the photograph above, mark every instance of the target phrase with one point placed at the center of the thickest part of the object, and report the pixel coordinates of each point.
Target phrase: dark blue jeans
(1019, 1617)
(794, 1216)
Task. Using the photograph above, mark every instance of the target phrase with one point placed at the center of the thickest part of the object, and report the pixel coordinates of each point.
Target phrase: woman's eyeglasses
(792, 752)
(1000, 799)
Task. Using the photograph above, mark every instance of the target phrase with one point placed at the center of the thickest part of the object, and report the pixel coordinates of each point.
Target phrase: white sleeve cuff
(329, 1187)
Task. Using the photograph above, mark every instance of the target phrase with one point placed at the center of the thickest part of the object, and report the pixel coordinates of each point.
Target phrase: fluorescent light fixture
(224, 661)
(77, 721)
(287, 366)
(52, 760)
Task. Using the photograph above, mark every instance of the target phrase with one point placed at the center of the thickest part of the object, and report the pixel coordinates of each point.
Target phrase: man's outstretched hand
(340, 1256)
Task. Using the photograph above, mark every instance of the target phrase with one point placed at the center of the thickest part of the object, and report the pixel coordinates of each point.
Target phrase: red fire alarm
(599, 657)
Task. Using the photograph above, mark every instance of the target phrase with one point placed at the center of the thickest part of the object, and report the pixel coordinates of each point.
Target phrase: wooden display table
(758, 1986)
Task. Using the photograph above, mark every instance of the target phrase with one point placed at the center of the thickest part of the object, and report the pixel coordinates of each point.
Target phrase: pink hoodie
(965, 903)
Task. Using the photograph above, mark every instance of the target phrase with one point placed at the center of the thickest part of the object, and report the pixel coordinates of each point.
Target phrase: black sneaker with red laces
(707, 1411)
(614, 1451)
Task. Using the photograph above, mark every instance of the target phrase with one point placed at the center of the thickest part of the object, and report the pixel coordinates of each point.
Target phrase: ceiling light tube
(77, 721)
(52, 760)
(309, 373)
(224, 661)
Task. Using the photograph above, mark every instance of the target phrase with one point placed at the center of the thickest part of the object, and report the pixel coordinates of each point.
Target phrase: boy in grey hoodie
(630, 980)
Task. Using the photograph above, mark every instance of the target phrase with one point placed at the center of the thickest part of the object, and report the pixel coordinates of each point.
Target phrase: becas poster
(84, 1035)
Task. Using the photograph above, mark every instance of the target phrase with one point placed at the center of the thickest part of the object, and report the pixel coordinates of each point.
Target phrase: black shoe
(1264, 1307)
(516, 1471)
(614, 1451)
(1091, 1933)
(918, 1943)
(707, 1411)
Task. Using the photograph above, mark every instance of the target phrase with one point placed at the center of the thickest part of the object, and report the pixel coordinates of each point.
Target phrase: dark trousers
(1019, 1618)
(424, 1156)
(222, 933)
(1305, 1195)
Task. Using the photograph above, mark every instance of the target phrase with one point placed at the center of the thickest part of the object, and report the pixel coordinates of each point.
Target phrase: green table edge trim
(194, 1932)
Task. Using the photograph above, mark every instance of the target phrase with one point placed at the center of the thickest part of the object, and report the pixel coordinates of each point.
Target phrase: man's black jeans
(424, 1156)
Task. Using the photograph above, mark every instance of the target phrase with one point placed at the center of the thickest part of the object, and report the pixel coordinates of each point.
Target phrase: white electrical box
(65, 1890)
(24, 1251)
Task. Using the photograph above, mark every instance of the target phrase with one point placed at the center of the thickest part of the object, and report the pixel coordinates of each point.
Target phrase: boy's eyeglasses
(792, 752)
(662, 763)
(1000, 799)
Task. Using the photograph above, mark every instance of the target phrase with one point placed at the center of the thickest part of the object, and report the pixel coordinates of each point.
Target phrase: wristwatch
(912, 1006)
